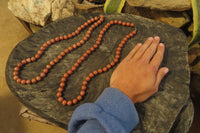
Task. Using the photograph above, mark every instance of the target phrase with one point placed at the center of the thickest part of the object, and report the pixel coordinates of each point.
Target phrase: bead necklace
(96, 21)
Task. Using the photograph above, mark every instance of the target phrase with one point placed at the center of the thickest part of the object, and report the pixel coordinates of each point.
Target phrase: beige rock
(173, 5)
(62, 9)
(32, 11)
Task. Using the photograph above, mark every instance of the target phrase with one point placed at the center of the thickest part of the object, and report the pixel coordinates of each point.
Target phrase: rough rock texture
(32, 11)
(62, 9)
(176, 19)
(157, 114)
(173, 5)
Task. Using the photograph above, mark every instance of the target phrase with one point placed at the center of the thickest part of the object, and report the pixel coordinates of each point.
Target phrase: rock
(62, 9)
(195, 84)
(191, 27)
(32, 11)
(34, 28)
(157, 114)
(176, 19)
(172, 5)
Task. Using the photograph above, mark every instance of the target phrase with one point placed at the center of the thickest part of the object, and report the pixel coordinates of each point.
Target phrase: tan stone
(62, 9)
(173, 5)
(32, 11)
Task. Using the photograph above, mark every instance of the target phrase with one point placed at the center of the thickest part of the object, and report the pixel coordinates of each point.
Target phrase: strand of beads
(97, 20)
(95, 72)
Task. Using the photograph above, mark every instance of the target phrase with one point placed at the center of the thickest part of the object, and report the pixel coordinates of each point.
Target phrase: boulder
(172, 5)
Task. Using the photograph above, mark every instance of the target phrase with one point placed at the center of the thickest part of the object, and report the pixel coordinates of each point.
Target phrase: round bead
(100, 70)
(45, 70)
(95, 72)
(56, 60)
(82, 58)
(99, 39)
(132, 24)
(79, 61)
(59, 94)
(38, 78)
(85, 24)
(119, 22)
(76, 64)
(48, 43)
(53, 41)
(125, 39)
(40, 52)
(117, 56)
(127, 24)
(65, 37)
(112, 63)
(87, 78)
(92, 49)
(88, 52)
(82, 93)
(48, 66)
(62, 84)
(28, 60)
(79, 28)
(60, 89)
(96, 24)
(121, 45)
(100, 36)
(57, 39)
(69, 72)
(123, 23)
(85, 82)
(66, 51)
(62, 53)
(82, 26)
(116, 60)
(33, 80)
(85, 55)
(104, 29)
(97, 43)
(33, 58)
(69, 35)
(66, 75)
(15, 77)
(23, 61)
(28, 81)
(61, 37)
(63, 79)
(60, 99)
(42, 48)
(75, 101)
(95, 46)
(52, 63)
(78, 44)
(20, 64)
(117, 52)
(85, 38)
(108, 66)
(119, 49)
(45, 45)
(76, 31)
(111, 22)
(70, 48)
(79, 97)
(23, 82)
(82, 42)
(59, 57)
(42, 74)
(15, 73)
(91, 75)
(134, 32)
(83, 87)
(74, 46)
(37, 56)
(73, 68)
(16, 68)
(64, 102)
(18, 80)
(69, 103)
(105, 69)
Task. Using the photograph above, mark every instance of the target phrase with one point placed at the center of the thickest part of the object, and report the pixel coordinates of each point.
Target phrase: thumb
(161, 73)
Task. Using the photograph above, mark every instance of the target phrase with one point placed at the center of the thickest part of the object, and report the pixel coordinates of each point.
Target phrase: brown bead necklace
(96, 21)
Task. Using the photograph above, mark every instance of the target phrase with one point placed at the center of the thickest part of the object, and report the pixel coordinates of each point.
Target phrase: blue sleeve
(113, 112)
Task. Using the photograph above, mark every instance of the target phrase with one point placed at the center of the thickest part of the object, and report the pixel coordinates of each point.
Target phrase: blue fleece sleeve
(113, 112)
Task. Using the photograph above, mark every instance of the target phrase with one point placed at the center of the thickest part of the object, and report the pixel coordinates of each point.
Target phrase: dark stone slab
(157, 114)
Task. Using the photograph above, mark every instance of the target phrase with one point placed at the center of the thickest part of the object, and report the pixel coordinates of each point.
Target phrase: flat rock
(172, 5)
(157, 114)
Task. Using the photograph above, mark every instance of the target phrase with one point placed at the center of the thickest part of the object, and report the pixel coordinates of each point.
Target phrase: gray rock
(157, 114)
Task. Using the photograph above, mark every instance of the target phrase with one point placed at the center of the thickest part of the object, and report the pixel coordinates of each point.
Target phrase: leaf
(112, 6)
(196, 20)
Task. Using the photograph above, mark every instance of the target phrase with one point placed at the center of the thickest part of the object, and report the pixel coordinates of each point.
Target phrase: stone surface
(32, 11)
(176, 19)
(62, 9)
(194, 58)
(172, 5)
(157, 114)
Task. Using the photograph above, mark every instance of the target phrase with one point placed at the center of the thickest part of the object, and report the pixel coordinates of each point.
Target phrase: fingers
(141, 51)
(133, 51)
(151, 50)
(161, 73)
(158, 57)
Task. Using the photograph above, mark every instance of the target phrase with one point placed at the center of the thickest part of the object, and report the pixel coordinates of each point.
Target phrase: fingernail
(161, 44)
(166, 70)
(139, 44)
(150, 38)
(156, 37)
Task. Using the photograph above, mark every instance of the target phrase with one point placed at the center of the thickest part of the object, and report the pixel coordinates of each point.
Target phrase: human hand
(138, 75)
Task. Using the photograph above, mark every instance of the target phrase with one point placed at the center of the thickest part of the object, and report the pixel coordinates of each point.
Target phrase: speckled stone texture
(157, 114)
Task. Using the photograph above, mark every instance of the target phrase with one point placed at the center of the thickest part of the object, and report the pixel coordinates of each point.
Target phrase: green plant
(112, 6)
